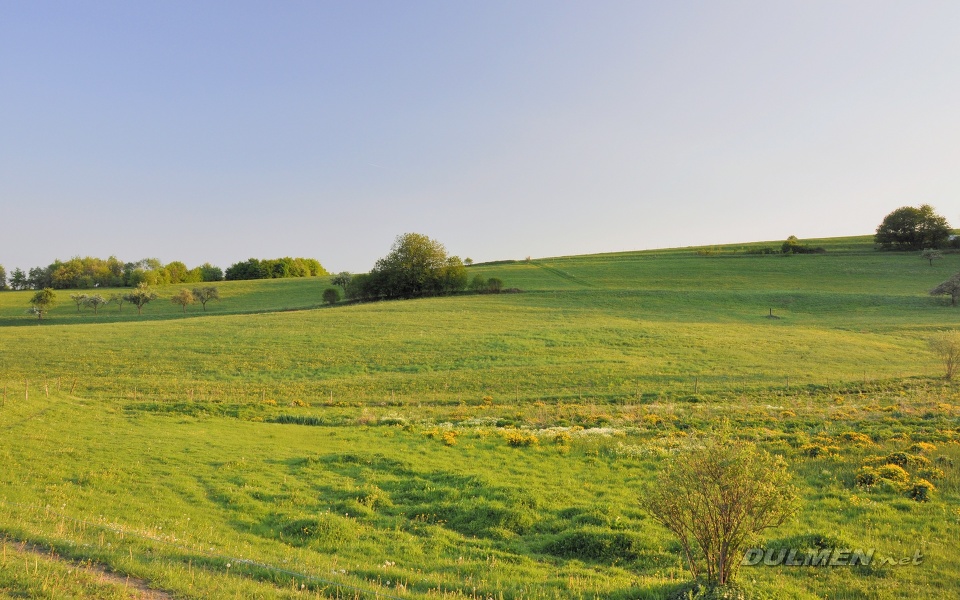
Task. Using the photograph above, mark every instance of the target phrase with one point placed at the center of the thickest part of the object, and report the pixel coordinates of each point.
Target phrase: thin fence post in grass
(46, 388)
(696, 385)
(788, 382)
(26, 390)
(58, 383)
(74, 386)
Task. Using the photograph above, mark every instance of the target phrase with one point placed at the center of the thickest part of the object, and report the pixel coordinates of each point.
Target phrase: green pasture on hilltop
(609, 327)
(475, 446)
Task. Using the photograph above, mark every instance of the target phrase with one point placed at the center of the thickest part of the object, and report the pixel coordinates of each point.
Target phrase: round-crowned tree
(909, 228)
(417, 266)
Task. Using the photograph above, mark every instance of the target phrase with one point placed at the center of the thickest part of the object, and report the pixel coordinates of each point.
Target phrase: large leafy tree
(910, 228)
(417, 266)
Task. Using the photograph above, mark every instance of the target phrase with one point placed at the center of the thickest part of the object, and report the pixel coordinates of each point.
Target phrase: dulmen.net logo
(827, 557)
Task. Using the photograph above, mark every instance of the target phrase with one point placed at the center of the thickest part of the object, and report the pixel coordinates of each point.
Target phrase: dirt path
(138, 588)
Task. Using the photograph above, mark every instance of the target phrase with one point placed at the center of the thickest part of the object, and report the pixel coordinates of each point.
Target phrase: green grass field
(271, 447)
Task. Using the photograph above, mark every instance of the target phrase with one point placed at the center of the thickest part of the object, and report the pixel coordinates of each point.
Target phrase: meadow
(475, 446)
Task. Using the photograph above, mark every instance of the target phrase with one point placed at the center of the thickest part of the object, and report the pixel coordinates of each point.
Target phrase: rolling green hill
(472, 446)
(608, 326)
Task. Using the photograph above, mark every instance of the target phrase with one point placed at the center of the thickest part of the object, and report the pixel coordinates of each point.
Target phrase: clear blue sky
(218, 131)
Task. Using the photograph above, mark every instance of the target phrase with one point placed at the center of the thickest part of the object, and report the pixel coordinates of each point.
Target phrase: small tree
(716, 498)
(79, 300)
(140, 297)
(183, 298)
(3, 278)
(95, 302)
(950, 287)
(946, 345)
(119, 299)
(206, 294)
(468, 261)
(42, 301)
(341, 279)
(931, 255)
(494, 285)
(331, 296)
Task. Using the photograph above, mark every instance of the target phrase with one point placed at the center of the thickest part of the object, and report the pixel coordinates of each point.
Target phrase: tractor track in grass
(138, 589)
(564, 275)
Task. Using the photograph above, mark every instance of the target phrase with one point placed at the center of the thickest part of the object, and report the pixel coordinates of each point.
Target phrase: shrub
(931, 473)
(893, 473)
(905, 459)
(920, 490)
(897, 458)
(818, 450)
(331, 296)
(856, 438)
(518, 438)
(866, 476)
(717, 498)
(478, 284)
(594, 544)
(698, 590)
(922, 448)
(652, 420)
(946, 345)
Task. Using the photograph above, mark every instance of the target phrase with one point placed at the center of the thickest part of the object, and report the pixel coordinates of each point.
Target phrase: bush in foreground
(716, 498)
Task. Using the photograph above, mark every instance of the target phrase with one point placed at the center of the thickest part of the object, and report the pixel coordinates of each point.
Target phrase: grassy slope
(608, 326)
(164, 436)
